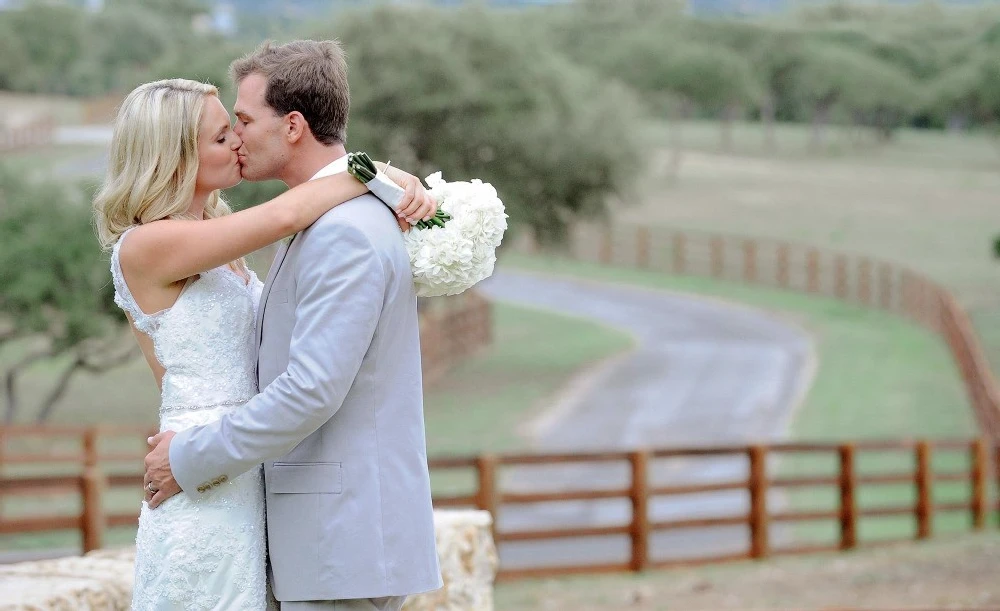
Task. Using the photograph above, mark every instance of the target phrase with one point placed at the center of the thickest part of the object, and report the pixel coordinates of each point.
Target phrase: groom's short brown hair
(304, 75)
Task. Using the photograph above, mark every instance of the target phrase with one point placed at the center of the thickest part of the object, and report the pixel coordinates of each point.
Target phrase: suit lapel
(279, 258)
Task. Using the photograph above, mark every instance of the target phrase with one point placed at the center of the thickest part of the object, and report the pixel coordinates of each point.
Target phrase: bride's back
(205, 342)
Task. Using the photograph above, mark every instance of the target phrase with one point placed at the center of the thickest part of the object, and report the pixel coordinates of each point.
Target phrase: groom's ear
(296, 126)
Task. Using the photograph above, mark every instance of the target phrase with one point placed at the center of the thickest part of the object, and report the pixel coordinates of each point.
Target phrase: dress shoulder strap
(123, 296)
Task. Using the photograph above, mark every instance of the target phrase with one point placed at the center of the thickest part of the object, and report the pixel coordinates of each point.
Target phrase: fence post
(604, 256)
(642, 247)
(885, 286)
(639, 462)
(93, 522)
(812, 270)
(977, 473)
(680, 263)
(848, 502)
(758, 501)
(3, 450)
(783, 265)
(996, 465)
(90, 447)
(718, 257)
(749, 261)
(865, 282)
(840, 277)
(486, 496)
(924, 509)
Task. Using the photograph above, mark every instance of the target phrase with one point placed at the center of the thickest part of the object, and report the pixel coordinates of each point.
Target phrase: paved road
(89, 136)
(702, 372)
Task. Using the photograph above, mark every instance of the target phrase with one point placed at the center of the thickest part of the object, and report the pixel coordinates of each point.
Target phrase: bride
(179, 275)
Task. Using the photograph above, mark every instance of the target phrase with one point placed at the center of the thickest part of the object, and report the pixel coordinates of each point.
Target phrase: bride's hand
(417, 204)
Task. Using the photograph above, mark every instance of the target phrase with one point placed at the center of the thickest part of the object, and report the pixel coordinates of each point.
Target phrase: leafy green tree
(13, 58)
(711, 78)
(178, 11)
(776, 55)
(51, 39)
(474, 100)
(124, 44)
(830, 75)
(56, 297)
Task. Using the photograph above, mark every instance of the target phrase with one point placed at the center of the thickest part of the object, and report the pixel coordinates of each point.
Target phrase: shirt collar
(336, 167)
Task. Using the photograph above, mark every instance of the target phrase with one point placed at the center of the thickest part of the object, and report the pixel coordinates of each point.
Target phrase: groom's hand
(159, 480)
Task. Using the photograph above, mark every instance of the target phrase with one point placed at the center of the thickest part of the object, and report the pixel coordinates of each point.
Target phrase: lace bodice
(205, 341)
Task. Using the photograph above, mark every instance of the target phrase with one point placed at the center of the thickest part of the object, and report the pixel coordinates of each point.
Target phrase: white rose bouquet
(455, 249)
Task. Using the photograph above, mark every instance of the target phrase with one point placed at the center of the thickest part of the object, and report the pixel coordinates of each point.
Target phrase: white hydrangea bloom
(451, 259)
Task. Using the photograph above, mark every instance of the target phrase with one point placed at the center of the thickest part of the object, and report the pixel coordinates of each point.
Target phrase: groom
(338, 423)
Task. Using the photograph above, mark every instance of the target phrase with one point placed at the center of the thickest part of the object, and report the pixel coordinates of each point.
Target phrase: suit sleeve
(340, 287)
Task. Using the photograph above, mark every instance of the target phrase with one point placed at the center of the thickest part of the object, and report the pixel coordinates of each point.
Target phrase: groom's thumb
(154, 440)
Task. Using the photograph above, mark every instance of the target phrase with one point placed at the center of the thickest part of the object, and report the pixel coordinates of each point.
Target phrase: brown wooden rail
(89, 482)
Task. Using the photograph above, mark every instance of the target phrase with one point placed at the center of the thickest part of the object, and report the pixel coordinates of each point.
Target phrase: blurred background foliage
(546, 102)
(551, 104)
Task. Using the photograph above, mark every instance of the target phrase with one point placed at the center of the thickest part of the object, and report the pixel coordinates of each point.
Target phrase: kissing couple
(291, 463)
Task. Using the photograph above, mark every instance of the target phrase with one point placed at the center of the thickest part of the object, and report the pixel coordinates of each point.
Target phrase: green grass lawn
(879, 377)
(926, 200)
(483, 401)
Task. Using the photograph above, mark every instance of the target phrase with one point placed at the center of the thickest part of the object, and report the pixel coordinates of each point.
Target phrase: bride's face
(218, 162)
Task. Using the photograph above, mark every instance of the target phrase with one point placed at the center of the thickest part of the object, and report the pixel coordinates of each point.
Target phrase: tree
(776, 55)
(50, 38)
(712, 78)
(874, 90)
(473, 99)
(56, 297)
(968, 92)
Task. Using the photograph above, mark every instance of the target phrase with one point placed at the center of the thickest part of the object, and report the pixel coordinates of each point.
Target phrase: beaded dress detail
(207, 553)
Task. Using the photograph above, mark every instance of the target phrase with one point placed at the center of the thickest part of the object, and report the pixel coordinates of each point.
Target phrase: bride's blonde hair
(153, 161)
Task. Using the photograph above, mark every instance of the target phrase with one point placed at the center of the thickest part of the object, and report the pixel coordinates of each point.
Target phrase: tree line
(546, 103)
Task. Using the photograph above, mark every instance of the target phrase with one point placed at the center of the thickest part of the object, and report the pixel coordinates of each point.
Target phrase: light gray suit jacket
(339, 422)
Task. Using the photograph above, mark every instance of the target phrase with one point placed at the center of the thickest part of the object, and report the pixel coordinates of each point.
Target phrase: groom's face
(265, 146)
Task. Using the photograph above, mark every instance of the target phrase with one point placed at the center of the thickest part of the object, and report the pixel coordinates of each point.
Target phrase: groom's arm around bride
(348, 495)
(338, 424)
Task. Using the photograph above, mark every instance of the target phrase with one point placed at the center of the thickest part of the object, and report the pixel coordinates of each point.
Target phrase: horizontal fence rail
(95, 462)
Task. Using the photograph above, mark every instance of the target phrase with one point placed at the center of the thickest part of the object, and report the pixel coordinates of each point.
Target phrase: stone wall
(102, 580)
(452, 328)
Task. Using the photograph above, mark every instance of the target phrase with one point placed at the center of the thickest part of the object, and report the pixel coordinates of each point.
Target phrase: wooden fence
(857, 279)
(40, 132)
(88, 454)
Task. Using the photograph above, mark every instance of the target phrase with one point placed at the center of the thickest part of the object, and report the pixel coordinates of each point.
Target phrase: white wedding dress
(209, 552)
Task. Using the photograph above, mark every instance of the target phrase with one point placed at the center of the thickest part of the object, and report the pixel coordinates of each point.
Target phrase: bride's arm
(170, 250)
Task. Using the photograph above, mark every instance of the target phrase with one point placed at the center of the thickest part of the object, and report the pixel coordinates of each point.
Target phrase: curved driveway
(702, 372)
